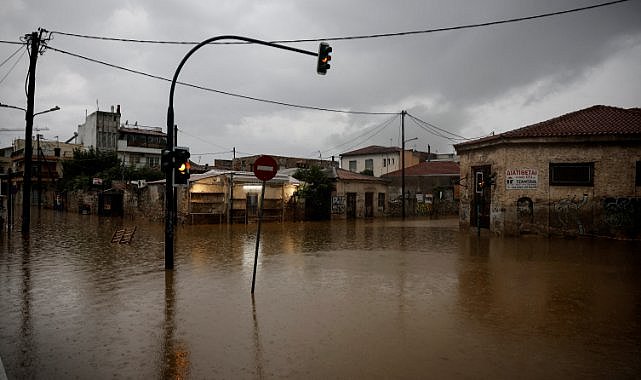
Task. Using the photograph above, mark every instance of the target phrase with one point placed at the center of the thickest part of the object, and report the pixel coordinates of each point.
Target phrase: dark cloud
(469, 82)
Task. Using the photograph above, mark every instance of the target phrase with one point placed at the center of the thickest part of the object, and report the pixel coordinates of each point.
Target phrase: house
(220, 196)
(100, 130)
(135, 145)
(379, 160)
(357, 195)
(431, 187)
(577, 174)
(141, 147)
(46, 167)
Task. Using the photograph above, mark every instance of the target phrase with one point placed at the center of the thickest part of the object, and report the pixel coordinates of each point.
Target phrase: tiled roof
(343, 174)
(428, 168)
(372, 149)
(593, 121)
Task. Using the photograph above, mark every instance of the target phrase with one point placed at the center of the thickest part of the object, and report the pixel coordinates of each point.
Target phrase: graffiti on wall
(567, 212)
(622, 212)
(524, 213)
(338, 204)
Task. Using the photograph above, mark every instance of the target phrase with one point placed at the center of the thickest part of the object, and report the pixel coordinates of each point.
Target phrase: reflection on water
(364, 299)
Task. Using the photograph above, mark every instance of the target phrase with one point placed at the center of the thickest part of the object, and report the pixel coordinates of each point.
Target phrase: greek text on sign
(518, 179)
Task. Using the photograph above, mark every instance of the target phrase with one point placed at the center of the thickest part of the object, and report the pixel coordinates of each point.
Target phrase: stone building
(431, 187)
(578, 174)
(357, 195)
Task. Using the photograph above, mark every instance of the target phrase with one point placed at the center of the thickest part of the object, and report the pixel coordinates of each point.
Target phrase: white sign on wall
(519, 179)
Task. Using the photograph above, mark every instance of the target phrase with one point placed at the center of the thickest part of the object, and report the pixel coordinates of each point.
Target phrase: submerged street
(379, 298)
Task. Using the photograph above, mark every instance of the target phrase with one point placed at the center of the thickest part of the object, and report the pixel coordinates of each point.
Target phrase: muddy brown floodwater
(348, 299)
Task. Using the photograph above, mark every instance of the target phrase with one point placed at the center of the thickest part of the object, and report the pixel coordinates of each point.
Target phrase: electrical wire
(11, 42)
(368, 36)
(433, 127)
(10, 56)
(14, 64)
(358, 140)
(246, 97)
(200, 138)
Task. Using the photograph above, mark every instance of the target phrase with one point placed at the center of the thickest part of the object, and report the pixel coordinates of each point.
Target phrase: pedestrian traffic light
(480, 183)
(323, 58)
(181, 166)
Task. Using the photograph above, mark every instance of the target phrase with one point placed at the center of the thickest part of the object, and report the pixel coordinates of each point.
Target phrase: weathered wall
(611, 207)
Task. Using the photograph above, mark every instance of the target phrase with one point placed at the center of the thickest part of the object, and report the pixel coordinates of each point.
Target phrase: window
(384, 162)
(369, 164)
(637, 180)
(572, 174)
(381, 200)
(352, 165)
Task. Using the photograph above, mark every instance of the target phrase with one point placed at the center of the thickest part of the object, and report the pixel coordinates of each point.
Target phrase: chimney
(118, 109)
(112, 109)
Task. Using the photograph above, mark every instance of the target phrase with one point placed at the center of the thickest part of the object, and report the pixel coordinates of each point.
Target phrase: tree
(317, 191)
(78, 172)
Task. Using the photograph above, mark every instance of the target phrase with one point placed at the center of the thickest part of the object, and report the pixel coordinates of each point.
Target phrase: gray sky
(469, 82)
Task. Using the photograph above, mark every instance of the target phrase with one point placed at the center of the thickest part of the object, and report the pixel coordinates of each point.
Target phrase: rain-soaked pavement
(355, 299)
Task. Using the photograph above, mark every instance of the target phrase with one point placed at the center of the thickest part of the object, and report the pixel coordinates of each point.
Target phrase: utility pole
(403, 113)
(231, 189)
(34, 39)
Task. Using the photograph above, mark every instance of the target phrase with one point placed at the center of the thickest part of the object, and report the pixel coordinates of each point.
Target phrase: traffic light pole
(170, 208)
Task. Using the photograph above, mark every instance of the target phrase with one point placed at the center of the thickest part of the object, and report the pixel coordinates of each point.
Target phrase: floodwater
(349, 299)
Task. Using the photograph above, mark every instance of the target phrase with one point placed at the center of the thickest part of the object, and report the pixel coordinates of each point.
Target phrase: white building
(379, 159)
(135, 146)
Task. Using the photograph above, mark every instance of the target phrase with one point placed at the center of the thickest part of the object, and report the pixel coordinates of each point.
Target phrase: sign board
(97, 181)
(521, 179)
(265, 168)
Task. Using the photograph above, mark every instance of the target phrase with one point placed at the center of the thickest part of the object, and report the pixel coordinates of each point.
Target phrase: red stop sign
(265, 168)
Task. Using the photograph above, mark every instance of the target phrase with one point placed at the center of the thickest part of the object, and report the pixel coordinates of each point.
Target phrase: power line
(12, 42)
(11, 56)
(246, 97)
(14, 64)
(360, 37)
(434, 127)
(370, 133)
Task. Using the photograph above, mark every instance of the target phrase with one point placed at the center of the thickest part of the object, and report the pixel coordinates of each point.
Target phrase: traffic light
(323, 58)
(181, 166)
(480, 183)
(166, 161)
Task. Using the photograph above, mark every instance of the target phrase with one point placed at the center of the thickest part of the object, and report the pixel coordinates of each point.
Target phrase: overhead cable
(434, 127)
(368, 36)
(218, 91)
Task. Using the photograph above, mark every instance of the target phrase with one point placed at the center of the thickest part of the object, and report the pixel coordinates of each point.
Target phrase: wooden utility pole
(34, 39)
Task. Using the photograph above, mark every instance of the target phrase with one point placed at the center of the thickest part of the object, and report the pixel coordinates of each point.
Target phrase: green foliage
(317, 191)
(78, 172)
(369, 172)
(85, 165)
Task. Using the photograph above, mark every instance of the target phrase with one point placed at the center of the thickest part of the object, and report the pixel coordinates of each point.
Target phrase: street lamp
(28, 152)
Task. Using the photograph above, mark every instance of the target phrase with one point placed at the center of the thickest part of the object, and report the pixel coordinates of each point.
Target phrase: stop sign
(265, 168)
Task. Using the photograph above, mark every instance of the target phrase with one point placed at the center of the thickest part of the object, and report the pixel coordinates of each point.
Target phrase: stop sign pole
(265, 168)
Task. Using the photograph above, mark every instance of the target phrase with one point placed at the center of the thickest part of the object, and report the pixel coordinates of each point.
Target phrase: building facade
(575, 175)
(357, 195)
(100, 130)
(431, 187)
(379, 160)
(141, 147)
